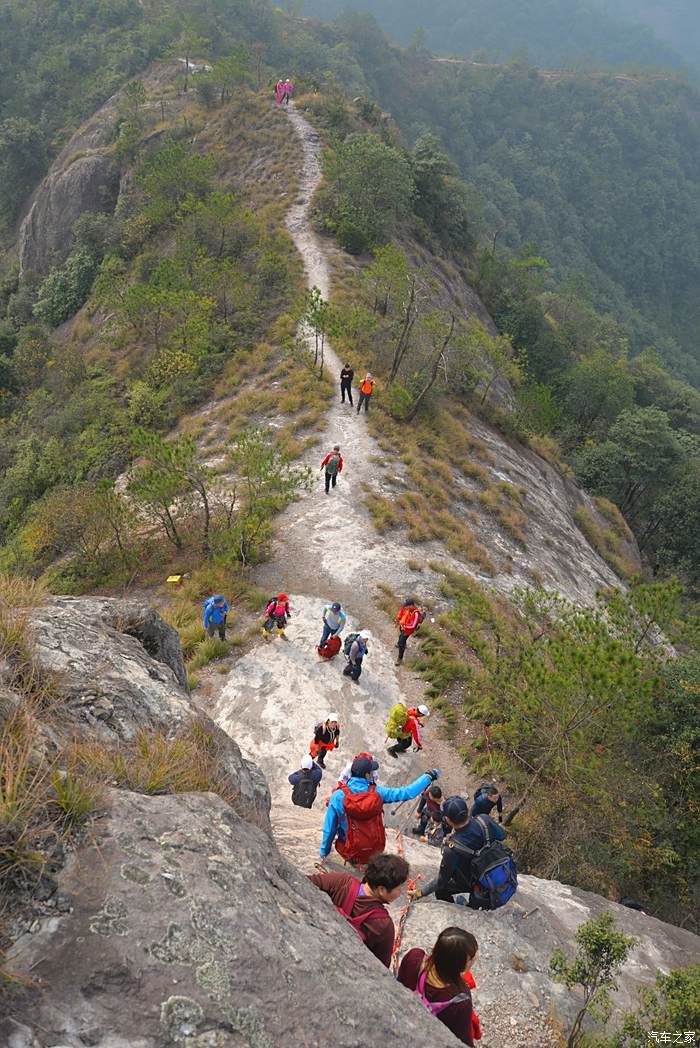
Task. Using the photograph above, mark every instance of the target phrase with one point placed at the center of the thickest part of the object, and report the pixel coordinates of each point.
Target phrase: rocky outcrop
(119, 671)
(87, 183)
(185, 926)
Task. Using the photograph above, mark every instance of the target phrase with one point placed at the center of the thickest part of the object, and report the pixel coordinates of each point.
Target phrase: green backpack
(396, 721)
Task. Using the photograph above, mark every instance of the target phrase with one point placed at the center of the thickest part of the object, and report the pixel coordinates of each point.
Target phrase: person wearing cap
(346, 773)
(333, 465)
(311, 772)
(326, 738)
(333, 622)
(410, 733)
(361, 781)
(454, 874)
(486, 799)
(366, 391)
(409, 619)
(358, 650)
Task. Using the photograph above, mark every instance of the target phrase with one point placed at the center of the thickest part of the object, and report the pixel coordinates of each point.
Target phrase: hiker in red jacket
(409, 619)
(277, 612)
(363, 904)
(410, 732)
(333, 465)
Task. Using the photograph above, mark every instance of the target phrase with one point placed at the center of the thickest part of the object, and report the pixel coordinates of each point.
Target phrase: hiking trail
(326, 549)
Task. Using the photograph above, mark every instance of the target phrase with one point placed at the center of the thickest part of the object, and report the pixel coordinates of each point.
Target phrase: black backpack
(304, 791)
(349, 641)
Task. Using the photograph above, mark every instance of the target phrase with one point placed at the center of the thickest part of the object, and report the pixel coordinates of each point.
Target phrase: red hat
(282, 596)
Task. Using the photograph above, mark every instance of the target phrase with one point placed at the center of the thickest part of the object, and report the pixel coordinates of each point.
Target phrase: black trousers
(401, 745)
(403, 637)
(215, 627)
(353, 670)
(346, 387)
(331, 478)
(364, 399)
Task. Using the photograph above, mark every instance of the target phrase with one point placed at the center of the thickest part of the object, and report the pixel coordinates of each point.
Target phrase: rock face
(119, 669)
(187, 927)
(87, 183)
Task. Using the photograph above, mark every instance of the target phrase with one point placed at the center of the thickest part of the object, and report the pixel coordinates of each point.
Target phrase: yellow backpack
(396, 720)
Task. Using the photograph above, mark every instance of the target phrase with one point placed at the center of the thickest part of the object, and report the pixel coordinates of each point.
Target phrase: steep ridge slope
(327, 550)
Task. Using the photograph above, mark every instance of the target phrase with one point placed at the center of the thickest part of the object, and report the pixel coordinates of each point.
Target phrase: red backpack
(365, 836)
(347, 907)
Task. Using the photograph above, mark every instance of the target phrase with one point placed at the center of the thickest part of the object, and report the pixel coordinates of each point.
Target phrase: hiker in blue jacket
(361, 778)
(454, 874)
(333, 622)
(486, 799)
(215, 611)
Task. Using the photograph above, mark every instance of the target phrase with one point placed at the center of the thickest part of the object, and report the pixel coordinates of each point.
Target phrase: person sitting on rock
(306, 782)
(485, 799)
(435, 830)
(215, 611)
(363, 903)
(278, 613)
(326, 738)
(354, 818)
(431, 801)
(440, 980)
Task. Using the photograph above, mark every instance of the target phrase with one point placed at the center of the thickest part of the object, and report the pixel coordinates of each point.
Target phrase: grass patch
(614, 517)
(207, 651)
(607, 543)
(384, 513)
(154, 764)
(24, 673)
(18, 592)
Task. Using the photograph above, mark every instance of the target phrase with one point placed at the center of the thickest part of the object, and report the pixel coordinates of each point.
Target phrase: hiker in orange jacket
(410, 733)
(409, 619)
(366, 391)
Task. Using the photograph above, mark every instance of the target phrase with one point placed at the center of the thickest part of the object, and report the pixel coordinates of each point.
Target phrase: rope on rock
(411, 884)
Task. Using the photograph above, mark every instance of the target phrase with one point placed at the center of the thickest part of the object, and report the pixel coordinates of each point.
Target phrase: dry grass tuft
(154, 764)
(607, 543)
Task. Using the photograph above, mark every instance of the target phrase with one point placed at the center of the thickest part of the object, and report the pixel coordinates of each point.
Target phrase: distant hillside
(677, 22)
(569, 33)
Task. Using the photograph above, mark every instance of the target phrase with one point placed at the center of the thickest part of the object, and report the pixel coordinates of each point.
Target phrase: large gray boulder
(87, 183)
(119, 670)
(187, 927)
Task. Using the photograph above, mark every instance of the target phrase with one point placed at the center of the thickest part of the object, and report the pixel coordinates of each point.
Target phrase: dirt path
(327, 549)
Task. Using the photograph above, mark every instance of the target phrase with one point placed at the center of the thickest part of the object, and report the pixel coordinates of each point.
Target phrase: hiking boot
(282, 634)
(461, 900)
(266, 635)
(398, 662)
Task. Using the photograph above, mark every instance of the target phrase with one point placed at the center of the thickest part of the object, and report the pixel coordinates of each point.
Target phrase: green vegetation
(588, 721)
(673, 1004)
(601, 952)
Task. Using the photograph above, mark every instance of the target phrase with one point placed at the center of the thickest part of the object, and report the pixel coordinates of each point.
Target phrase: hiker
(215, 611)
(409, 619)
(333, 622)
(431, 801)
(404, 726)
(366, 391)
(279, 92)
(356, 647)
(473, 861)
(346, 376)
(306, 782)
(326, 738)
(434, 832)
(333, 465)
(354, 817)
(346, 773)
(363, 904)
(278, 613)
(438, 980)
(287, 91)
(485, 799)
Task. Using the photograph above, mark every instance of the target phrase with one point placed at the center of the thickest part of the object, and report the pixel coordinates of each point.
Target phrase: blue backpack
(493, 872)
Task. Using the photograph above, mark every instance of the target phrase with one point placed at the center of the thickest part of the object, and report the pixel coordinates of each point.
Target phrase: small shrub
(606, 544)
(384, 513)
(75, 798)
(208, 650)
